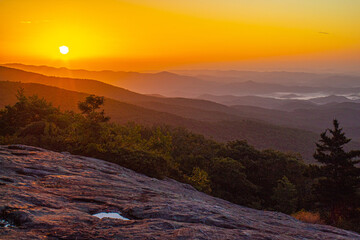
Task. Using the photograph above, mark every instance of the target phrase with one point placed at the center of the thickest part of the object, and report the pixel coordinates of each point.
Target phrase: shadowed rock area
(49, 195)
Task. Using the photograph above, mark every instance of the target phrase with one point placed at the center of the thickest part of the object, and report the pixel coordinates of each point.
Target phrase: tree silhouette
(339, 177)
(90, 106)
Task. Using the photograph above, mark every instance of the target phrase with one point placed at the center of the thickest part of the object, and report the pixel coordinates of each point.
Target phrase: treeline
(234, 171)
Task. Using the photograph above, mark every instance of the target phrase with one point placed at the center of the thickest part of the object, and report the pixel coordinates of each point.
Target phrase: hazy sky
(169, 34)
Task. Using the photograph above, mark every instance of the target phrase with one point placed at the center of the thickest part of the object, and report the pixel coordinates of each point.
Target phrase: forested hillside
(259, 134)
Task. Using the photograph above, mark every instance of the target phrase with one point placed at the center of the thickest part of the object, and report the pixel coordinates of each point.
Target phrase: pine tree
(339, 177)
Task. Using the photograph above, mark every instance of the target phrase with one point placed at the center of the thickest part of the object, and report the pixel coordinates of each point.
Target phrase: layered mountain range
(286, 123)
(194, 83)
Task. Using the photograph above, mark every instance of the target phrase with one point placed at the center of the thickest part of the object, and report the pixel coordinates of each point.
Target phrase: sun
(64, 49)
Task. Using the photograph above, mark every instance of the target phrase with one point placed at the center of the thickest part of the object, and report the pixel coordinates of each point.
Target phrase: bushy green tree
(25, 111)
(265, 168)
(285, 196)
(229, 181)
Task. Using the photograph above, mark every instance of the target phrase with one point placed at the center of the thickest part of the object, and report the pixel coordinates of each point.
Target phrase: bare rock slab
(49, 195)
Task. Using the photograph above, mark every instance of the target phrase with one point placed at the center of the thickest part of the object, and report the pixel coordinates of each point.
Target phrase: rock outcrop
(49, 195)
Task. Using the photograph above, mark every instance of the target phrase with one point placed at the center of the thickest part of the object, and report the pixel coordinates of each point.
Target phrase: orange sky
(164, 34)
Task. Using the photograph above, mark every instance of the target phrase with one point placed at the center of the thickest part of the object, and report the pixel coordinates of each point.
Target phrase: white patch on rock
(110, 215)
(4, 223)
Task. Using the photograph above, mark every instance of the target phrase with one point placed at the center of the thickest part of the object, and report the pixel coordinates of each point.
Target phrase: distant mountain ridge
(164, 83)
(117, 93)
(257, 101)
(303, 114)
(175, 85)
(285, 104)
(277, 77)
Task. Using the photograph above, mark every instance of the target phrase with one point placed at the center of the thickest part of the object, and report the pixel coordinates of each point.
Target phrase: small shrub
(308, 217)
(200, 180)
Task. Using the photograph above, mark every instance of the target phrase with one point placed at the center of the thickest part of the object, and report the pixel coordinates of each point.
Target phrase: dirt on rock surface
(49, 195)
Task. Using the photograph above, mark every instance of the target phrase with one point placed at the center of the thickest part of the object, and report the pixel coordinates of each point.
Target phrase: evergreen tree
(339, 177)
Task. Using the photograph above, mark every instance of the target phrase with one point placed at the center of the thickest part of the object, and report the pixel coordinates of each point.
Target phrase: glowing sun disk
(64, 49)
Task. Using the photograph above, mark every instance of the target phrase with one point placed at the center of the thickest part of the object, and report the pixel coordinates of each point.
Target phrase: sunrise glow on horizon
(159, 34)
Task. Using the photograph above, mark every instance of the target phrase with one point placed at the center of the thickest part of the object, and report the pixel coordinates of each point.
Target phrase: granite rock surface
(50, 195)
